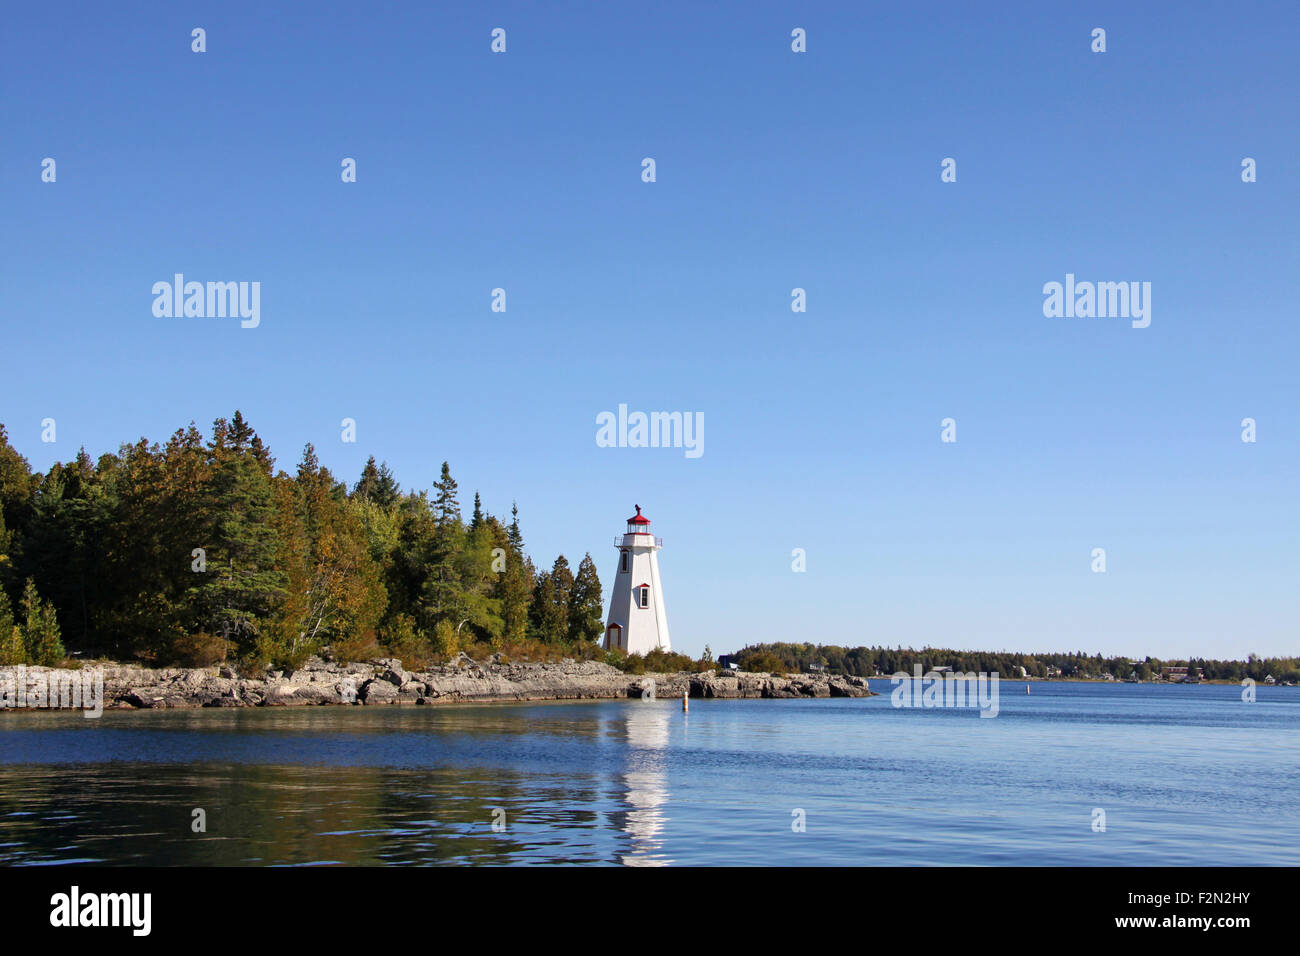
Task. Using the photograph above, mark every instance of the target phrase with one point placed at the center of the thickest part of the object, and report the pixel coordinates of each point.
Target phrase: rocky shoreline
(385, 681)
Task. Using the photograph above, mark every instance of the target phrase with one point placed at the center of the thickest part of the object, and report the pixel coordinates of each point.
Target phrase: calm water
(1186, 775)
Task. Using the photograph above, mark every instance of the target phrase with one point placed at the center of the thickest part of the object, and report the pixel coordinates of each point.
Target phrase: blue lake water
(1185, 775)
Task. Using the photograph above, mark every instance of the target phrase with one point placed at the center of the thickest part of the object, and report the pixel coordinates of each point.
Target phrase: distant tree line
(869, 661)
(199, 550)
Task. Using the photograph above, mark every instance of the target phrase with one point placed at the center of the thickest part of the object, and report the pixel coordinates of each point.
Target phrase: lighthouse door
(615, 636)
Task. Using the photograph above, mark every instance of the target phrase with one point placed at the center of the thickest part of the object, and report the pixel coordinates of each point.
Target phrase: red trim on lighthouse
(639, 519)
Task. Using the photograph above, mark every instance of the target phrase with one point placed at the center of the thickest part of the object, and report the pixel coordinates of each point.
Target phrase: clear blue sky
(775, 170)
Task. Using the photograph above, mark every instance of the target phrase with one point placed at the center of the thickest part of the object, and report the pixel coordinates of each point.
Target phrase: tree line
(884, 661)
(198, 550)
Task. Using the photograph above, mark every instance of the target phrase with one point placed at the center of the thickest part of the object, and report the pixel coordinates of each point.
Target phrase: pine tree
(155, 512)
(562, 587)
(514, 587)
(443, 593)
(377, 484)
(387, 492)
(40, 629)
(446, 509)
(513, 534)
(409, 563)
(545, 620)
(368, 482)
(241, 434)
(71, 512)
(244, 582)
(309, 467)
(586, 604)
(262, 455)
(514, 590)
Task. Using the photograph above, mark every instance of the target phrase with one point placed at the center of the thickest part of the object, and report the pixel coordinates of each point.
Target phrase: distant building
(816, 668)
(728, 662)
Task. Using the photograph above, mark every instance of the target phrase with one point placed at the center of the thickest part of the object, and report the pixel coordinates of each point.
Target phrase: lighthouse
(637, 623)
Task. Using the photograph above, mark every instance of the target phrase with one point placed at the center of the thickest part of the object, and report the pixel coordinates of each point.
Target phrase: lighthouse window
(625, 563)
(643, 596)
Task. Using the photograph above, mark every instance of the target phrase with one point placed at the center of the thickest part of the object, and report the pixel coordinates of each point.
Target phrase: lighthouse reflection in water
(645, 729)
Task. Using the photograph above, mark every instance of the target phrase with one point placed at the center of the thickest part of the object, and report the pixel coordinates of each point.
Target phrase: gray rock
(283, 695)
(376, 691)
(385, 681)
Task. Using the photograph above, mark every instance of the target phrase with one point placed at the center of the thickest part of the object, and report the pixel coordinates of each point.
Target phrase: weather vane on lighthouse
(637, 621)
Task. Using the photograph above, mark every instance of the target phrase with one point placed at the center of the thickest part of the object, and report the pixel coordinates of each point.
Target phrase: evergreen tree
(147, 543)
(377, 484)
(408, 568)
(443, 592)
(586, 605)
(41, 642)
(368, 482)
(545, 622)
(70, 515)
(241, 435)
(244, 583)
(446, 509)
(514, 589)
(387, 492)
(562, 588)
(514, 585)
(515, 537)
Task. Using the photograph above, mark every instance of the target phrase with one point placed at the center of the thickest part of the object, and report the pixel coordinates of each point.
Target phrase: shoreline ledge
(463, 680)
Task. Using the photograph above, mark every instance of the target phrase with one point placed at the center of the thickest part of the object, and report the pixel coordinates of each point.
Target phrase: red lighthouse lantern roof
(639, 518)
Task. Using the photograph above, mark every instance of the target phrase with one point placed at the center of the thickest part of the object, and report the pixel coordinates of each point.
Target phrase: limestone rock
(384, 680)
(377, 691)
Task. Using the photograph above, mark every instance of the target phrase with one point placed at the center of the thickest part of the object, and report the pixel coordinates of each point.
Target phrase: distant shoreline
(1098, 680)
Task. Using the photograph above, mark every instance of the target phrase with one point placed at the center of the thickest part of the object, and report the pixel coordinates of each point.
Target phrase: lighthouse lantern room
(637, 623)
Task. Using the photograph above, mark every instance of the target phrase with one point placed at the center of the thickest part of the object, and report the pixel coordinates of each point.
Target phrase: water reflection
(575, 783)
(645, 783)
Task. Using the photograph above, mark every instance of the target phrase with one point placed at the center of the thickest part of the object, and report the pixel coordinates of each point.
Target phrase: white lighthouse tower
(637, 622)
